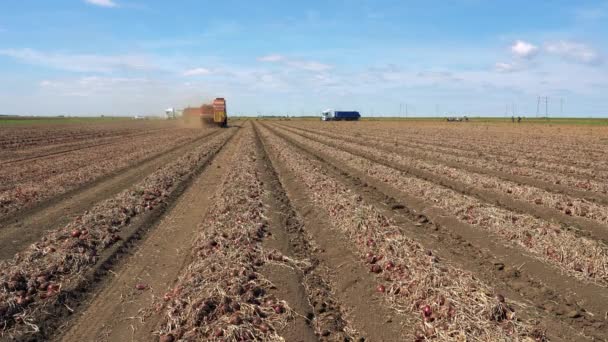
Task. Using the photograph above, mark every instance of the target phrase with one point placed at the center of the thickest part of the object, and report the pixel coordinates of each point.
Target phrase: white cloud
(79, 62)
(309, 65)
(102, 3)
(95, 85)
(271, 58)
(197, 72)
(296, 63)
(524, 49)
(574, 51)
(506, 67)
(47, 84)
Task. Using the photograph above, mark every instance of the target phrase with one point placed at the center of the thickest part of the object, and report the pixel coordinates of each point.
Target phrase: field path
(120, 312)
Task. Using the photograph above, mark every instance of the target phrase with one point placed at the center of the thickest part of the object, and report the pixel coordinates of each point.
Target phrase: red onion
(427, 311)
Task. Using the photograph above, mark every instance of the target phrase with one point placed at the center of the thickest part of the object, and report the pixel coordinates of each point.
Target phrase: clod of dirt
(574, 314)
(499, 266)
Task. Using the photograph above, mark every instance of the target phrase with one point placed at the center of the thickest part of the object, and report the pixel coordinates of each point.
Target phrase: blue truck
(338, 115)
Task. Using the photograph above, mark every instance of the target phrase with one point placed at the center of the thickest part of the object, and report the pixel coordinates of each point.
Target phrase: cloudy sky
(474, 57)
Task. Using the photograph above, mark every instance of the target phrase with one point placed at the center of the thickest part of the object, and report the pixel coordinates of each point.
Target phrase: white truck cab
(327, 115)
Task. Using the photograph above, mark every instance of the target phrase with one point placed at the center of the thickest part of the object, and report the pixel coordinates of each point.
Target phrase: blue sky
(472, 57)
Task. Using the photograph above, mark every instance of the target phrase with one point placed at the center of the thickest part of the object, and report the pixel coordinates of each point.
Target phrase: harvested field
(303, 231)
(44, 167)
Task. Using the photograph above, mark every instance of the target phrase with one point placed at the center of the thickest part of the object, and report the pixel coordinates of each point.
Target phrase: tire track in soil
(288, 282)
(308, 294)
(537, 183)
(352, 283)
(584, 227)
(118, 311)
(557, 300)
(28, 226)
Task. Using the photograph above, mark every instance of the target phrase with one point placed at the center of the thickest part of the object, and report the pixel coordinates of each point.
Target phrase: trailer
(339, 115)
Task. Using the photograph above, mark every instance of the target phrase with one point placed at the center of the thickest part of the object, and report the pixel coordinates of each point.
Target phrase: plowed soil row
(551, 296)
(488, 169)
(118, 311)
(77, 146)
(43, 137)
(78, 274)
(333, 296)
(554, 243)
(586, 146)
(427, 291)
(20, 230)
(281, 233)
(499, 149)
(340, 291)
(596, 229)
(26, 184)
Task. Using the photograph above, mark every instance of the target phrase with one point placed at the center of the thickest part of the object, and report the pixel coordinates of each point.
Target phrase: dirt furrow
(353, 285)
(25, 185)
(287, 237)
(597, 197)
(119, 310)
(584, 226)
(550, 242)
(25, 227)
(531, 142)
(70, 263)
(565, 305)
(483, 149)
(69, 149)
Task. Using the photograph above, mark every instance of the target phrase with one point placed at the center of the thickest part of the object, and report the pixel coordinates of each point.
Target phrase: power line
(544, 99)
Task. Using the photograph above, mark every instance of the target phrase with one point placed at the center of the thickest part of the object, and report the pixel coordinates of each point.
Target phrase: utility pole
(546, 107)
(406, 111)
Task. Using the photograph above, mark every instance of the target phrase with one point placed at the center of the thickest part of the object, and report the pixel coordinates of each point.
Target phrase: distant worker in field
(518, 119)
(513, 119)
